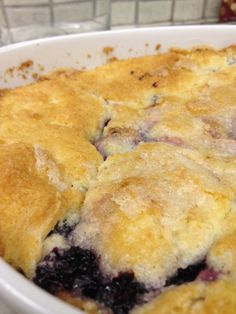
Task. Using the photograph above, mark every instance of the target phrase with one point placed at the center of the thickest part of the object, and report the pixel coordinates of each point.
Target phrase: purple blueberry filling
(122, 293)
(68, 269)
(187, 274)
(208, 274)
(63, 228)
(77, 271)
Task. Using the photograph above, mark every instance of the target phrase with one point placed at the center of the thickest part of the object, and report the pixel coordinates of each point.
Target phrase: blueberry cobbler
(118, 184)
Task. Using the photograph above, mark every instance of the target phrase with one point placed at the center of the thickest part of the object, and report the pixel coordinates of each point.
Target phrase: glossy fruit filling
(77, 271)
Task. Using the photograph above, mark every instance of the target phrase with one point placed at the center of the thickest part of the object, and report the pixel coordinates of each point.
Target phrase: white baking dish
(78, 51)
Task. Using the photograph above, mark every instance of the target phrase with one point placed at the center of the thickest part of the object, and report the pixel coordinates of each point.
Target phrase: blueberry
(208, 274)
(122, 293)
(77, 271)
(59, 270)
(187, 274)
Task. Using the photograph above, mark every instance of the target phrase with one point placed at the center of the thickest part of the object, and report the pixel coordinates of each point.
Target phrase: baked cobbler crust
(193, 298)
(118, 184)
(155, 195)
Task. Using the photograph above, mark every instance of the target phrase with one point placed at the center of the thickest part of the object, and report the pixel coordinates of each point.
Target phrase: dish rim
(113, 32)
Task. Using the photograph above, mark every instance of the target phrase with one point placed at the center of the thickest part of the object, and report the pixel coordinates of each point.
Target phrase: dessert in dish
(118, 184)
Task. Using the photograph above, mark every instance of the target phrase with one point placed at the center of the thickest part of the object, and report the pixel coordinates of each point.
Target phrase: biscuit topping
(119, 183)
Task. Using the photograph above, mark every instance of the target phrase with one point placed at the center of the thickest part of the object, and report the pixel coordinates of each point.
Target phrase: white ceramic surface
(5, 308)
(78, 51)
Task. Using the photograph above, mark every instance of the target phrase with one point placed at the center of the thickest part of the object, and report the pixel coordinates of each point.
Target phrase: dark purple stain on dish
(77, 271)
(208, 274)
(187, 274)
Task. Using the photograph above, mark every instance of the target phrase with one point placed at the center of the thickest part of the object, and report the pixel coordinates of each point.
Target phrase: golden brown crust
(222, 256)
(56, 122)
(194, 298)
(165, 196)
(155, 195)
(88, 306)
(59, 118)
(176, 74)
(31, 205)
